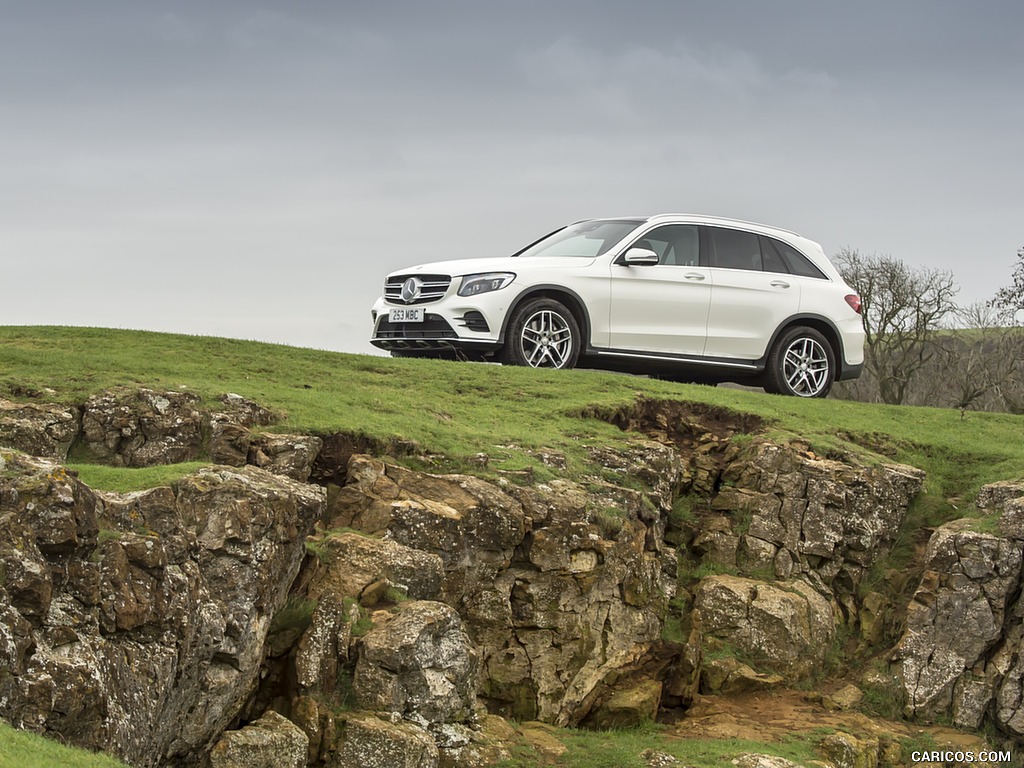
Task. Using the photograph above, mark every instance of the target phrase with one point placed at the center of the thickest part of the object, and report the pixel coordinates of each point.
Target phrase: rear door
(751, 295)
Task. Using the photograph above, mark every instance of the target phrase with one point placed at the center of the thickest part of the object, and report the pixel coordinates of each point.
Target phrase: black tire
(801, 364)
(542, 333)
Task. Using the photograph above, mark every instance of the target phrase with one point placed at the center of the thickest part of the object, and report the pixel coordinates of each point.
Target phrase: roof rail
(727, 218)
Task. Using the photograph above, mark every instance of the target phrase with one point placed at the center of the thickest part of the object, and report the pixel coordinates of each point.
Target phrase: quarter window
(770, 257)
(795, 261)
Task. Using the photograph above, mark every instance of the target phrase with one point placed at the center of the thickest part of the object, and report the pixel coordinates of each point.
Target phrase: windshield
(586, 239)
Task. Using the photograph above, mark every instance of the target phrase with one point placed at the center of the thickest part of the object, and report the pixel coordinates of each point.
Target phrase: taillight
(854, 301)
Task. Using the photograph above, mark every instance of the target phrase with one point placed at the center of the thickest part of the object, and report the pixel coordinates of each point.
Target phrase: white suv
(690, 298)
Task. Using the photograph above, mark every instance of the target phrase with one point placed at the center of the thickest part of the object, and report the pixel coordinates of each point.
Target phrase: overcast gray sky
(253, 169)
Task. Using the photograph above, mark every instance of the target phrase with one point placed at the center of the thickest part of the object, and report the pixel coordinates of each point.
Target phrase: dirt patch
(679, 423)
(779, 715)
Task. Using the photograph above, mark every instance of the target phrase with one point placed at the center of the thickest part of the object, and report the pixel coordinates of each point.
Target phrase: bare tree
(902, 308)
(983, 361)
(1011, 297)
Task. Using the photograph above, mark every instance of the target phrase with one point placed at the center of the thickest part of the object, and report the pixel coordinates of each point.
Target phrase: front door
(662, 307)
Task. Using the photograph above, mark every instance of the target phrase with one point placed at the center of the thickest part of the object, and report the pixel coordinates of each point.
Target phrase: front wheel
(542, 334)
(801, 363)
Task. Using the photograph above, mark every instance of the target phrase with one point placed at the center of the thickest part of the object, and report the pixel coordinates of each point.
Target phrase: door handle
(693, 276)
(780, 284)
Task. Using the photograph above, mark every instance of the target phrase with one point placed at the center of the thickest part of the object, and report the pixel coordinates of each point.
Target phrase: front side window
(586, 239)
(675, 244)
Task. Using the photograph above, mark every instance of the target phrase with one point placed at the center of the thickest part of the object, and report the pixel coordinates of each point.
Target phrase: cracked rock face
(135, 624)
(955, 619)
(142, 428)
(819, 517)
(785, 627)
(559, 586)
(39, 430)
(418, 663)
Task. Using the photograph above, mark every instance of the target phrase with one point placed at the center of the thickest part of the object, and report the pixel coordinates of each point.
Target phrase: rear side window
(795, 261)
(733, 249)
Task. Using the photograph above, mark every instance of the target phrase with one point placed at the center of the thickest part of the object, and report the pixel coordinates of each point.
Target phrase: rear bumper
(850, 372)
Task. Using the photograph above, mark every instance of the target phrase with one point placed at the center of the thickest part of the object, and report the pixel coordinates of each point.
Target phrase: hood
(460, 267)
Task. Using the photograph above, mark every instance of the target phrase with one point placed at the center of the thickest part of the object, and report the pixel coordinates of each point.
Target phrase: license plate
(411, 315)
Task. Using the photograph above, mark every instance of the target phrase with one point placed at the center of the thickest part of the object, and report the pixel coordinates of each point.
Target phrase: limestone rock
(487, 744)
(357, 561)
(819, 517)
(244, 412)
(559, 585)
(968, 581)
(229, 443)
(367, 741)
(849, 751)
(994, 495)
(631, 704)
(270, 742)
(750, 760)
(147, 636)
(541, 739)
(288, 455)
(39, 430)
(418, 663)
(847, 697)
(729, 677)
(786, 627)
(655, 759)
(142, 427)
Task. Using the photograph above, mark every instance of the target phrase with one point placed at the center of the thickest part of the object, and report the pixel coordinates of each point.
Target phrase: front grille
(432, 327)
(432, 288)
(474, 321)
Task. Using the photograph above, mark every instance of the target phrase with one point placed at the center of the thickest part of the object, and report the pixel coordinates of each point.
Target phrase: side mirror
(638, 257)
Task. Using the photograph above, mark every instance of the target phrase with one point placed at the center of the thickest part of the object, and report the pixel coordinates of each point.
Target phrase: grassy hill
(455, 411)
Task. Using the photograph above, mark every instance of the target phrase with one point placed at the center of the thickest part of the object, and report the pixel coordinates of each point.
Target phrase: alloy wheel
(546, 340)
(805, 367)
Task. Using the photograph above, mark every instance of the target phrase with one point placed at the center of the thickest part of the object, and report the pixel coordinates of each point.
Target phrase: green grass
(456, 410)
(20, 749)
(124, 480)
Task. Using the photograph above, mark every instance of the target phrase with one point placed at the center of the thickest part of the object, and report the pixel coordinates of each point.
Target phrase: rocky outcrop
(288, 455)
(968, 582)
(135, 624)
(795, 513)
(785, 627)
(141, 623)
(558, 586)
(39, 430)
(142, 428)
(418, 663)
(272, 741)
(960, 656)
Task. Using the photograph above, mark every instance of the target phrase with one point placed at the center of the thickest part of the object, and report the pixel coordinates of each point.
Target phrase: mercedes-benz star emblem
(411, 289)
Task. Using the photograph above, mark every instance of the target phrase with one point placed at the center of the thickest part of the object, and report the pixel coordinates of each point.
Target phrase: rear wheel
(801, 363)
(542, 334)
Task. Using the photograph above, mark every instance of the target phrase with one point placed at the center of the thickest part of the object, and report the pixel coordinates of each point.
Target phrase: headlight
(474, 285)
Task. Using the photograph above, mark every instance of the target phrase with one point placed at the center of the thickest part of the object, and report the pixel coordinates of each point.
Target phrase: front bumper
(443, 327)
